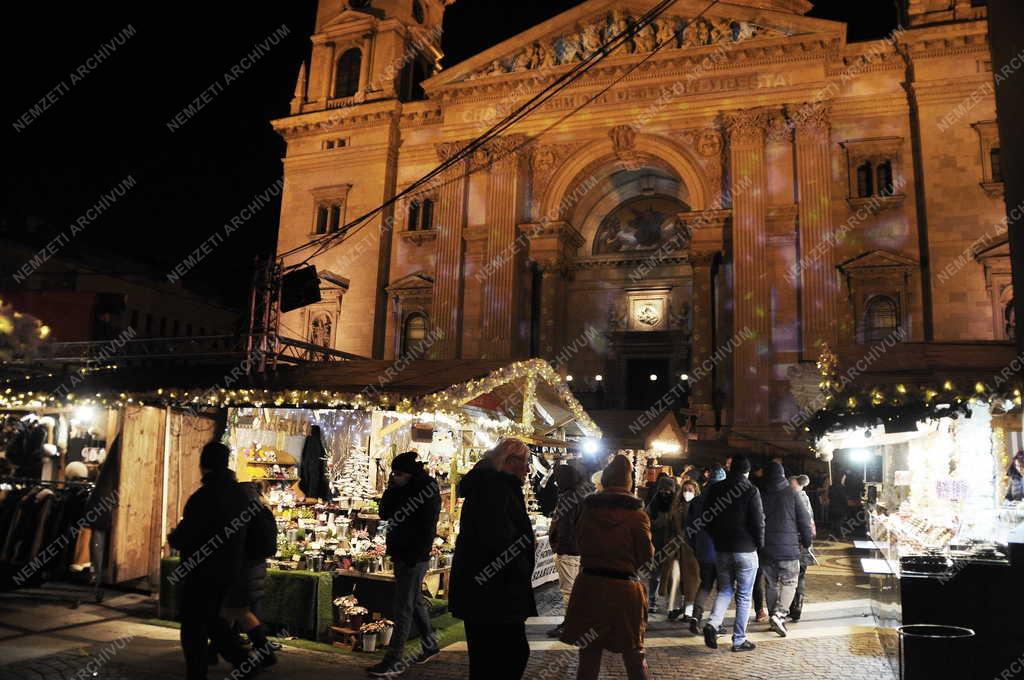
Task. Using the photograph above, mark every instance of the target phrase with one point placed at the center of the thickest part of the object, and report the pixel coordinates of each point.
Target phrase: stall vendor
(1015, 489)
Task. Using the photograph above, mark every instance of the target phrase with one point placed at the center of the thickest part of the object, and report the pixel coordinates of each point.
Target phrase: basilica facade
(696, 216)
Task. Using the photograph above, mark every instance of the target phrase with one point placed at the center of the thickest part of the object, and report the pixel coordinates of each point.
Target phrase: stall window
(881, 318)
(346, 78)
(414, 332)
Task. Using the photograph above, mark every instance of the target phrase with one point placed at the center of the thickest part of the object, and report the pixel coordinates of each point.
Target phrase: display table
(376, 591)
(300, 602)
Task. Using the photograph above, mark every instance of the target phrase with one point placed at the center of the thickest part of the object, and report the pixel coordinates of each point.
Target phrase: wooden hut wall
(188, 435)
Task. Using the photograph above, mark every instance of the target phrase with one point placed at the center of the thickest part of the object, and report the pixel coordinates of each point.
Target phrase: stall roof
(903, 382)
(496, 386)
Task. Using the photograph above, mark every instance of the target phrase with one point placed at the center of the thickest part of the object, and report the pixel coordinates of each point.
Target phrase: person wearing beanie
(492, 568)
(571, 491)
(697, 535)
(659, 509)
(411, 505)
(212, 551)
(737, 529)
(609, 599)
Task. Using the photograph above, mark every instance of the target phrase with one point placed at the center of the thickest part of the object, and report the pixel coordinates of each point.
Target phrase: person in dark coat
(242, 604)
(737, 528)
(659, 509)
(562, 534)
(608, 607)
(787, 529)
(492, 568)
(696, 531)
(211, 540)
(411, 505)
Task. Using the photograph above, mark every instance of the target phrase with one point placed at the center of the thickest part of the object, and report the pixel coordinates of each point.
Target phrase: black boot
(261, 646)
(698, 614)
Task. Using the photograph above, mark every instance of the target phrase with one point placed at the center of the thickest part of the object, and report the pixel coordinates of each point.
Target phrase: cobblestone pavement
(836, 639)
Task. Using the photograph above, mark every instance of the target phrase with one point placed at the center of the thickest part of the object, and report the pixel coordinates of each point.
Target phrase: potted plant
(386, 629)
(368, 634)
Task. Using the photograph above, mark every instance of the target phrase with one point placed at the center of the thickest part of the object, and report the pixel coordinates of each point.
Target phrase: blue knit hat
(717, 474)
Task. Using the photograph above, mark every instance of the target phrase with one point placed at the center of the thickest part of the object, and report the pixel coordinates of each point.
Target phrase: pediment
(416, 281)
(557, 44)
(877, 259)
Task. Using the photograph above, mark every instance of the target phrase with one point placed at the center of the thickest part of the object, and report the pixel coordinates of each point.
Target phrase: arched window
(346, 77)
(427, 215)
(881, 318)
(884, 173)
(414, 332)
(997, 164)
(417, 11)
(865, 184)
(320, 330)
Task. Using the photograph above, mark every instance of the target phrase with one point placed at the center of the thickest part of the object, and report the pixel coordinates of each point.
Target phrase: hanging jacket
(313, 467)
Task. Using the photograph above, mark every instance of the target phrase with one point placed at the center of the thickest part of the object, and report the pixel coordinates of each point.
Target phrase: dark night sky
(112, 123)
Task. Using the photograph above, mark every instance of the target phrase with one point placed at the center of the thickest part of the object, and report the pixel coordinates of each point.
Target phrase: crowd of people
(616, 555)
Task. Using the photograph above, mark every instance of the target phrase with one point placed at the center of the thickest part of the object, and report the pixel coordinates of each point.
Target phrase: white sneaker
(778, 625)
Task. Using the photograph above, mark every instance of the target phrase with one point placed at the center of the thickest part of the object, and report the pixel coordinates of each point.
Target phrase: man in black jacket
(735, 520)
(787, 529)
(211, 540)
(411, 505)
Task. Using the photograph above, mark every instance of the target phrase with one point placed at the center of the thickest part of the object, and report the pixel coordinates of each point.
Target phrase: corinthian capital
(811, 118)
(750, 125)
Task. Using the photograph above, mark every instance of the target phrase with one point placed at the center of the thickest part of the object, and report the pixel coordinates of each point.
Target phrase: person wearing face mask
(659, 509)
(681, 574)
(492, 568)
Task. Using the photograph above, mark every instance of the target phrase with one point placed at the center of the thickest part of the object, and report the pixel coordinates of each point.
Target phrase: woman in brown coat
(608, 606)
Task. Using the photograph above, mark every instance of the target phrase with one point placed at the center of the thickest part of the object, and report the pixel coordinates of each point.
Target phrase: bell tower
(370, 50)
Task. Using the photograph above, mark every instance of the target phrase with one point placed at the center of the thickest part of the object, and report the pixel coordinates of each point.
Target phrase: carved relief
(590, 36)
(812, 118)
(749, 126)
(709, 144)
(547, 159)
(623, 139)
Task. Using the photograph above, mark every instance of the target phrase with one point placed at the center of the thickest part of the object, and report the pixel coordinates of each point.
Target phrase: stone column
(450, 222)
(751, 341)
(552, 246)
(501, 267)
(819, 280)
(707, 229)
(327, 73)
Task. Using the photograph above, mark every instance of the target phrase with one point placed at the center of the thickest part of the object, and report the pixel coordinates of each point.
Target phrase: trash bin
(932, 651)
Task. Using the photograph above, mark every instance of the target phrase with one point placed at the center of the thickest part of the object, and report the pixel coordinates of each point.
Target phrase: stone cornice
(650, 258)
(563, 231)
(372, 114)
(945, 40)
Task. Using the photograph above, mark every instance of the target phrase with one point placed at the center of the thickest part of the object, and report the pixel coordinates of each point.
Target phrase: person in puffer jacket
(787, 530)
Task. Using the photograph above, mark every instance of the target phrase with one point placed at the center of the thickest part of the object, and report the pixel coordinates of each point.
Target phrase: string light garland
(447, 404)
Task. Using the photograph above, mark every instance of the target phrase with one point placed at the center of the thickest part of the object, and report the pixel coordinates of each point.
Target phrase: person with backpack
(242, 603)
(411, 505)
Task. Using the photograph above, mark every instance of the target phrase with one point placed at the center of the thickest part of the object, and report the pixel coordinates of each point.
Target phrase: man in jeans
(787, 530)
(411, 505)
(737, 529)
